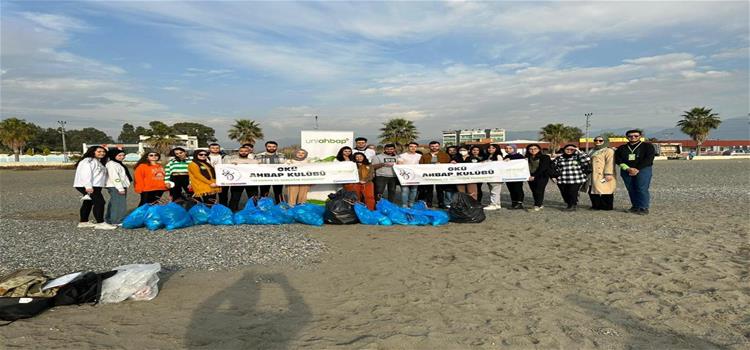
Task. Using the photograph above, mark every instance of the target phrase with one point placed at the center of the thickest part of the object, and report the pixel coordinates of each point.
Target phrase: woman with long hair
(494, 155)
(203, 178)
(477, 155)
(90, 179)
(345, 154)
(297, 194)
(176, 173)
(365, 189)
(118, 181)
(464, 156)
(148, 178)
(540, 169)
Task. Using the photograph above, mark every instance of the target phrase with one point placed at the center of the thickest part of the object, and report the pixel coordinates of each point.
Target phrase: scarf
(112, 154)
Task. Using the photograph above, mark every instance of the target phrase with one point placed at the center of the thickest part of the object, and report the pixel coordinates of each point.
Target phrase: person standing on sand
(434, 156)
(572, 167)
(244, 156)
(149, 177)
(385, 177)
(635, 160)
(603, 182)
(203, 178)
(176, 173)
(215, 157)
(297, 194)
(465, 157)
(90, 179)
(272, 156)
(409, 193)
(365, 189)
(515, 188)
(118, 181)
(540, 169)
(494, 155)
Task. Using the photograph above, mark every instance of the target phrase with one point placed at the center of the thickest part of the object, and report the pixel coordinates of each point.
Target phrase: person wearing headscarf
(603, 183)
(203, 178)
(514, 188)
(118, 181)
(572, 168)
(297, 194)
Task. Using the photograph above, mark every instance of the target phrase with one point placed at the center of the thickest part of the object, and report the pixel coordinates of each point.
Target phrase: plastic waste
(153, 217)
(371, 217)
(174, 216)
(220, 215)
(136, 218)
(308, 214)
(134, 282)
(339, 209)
(199, 213)
(465, 209)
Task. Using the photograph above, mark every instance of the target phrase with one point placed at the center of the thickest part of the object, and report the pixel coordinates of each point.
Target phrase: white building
(186, 141)
(460, 137)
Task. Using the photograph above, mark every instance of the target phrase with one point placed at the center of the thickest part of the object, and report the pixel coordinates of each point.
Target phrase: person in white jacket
(118, 181)
(91, 177)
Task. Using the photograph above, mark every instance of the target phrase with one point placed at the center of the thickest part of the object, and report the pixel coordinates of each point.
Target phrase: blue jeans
(638, 187)
(408, 196)
(117, 207)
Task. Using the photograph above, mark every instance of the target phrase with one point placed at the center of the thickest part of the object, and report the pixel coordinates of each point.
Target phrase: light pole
(316, 122)
(588, 124)
(65, 148)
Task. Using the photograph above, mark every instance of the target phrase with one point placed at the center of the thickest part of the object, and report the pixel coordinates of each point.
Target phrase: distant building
(465, 136)
(186, 141)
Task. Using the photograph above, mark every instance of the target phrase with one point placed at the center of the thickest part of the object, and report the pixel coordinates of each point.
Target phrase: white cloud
(732, 53)
(55, 22)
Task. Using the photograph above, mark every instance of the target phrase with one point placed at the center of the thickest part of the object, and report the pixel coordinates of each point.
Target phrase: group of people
(188, 178)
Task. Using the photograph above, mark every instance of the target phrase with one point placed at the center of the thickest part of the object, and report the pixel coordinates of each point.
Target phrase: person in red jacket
(149, 178)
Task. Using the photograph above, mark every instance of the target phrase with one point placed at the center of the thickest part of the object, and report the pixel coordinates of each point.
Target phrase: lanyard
(632, 150)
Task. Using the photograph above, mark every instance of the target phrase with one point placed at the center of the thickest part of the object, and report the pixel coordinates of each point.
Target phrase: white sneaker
(492, 207)
(538, 208)
(104, 226)
(86, 224)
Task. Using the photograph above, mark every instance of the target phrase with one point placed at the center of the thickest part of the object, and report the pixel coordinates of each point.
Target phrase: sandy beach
(678, 278)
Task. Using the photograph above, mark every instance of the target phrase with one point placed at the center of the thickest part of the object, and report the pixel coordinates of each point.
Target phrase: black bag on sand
(340, 208)
(12, 309)
(465, 209)
(87, 288)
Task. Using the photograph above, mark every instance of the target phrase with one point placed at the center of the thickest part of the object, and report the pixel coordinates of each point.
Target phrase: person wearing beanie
(118, 181)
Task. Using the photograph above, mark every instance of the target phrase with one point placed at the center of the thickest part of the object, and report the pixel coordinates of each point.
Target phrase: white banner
(286, 174)
(462, 173)
(324, 145)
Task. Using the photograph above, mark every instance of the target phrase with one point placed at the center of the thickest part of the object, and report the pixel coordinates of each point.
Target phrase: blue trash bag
(281, 211)
(371, 217)
(265, 203)
(393, 212)
(416, 217)
(256, 217)
(250, 205)
(220, 215)
(420, 205)
(136, 218)
(153, 217)
(199, 213)
(308, 214)
(438, 217)
(173, 216)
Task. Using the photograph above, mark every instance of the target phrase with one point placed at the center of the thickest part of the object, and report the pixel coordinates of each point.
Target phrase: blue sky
(515, 65)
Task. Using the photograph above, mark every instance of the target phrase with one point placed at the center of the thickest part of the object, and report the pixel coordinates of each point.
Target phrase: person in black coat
(540, 169)
(515, 188)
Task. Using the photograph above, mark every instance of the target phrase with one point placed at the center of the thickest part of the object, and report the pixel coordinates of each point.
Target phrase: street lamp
(65, 148)
(588, 124)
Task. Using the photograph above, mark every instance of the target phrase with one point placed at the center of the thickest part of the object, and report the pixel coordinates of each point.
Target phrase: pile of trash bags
(26, 293)
(342, 208)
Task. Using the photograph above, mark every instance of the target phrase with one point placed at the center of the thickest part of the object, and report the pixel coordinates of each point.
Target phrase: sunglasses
(153, 155)
(598, 140)
(570, 149)
(201, 154)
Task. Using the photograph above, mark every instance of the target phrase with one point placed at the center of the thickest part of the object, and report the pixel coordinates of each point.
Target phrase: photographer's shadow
(234, 318)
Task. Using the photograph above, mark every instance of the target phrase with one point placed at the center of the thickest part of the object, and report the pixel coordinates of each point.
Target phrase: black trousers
(381, 183)
(537, 190)
(516, 191)
(602, 201)
(181, 183)
(208, 198)
(278, 192)
(224, 195)
(150, 197)
(425, 193)
(96, 203)
(480, 193)
(569, 193)
(236, 191)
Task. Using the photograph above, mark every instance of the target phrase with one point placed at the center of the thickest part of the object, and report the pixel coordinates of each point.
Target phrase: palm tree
(398, 131)
(697, 123)
(14, 133)
(556, 134)
(245, 131)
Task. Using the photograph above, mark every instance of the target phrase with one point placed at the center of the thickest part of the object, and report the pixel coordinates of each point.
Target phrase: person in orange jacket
(149, 177)
(203, 178)
(365, 189)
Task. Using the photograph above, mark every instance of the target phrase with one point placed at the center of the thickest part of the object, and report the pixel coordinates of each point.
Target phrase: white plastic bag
(135, 282)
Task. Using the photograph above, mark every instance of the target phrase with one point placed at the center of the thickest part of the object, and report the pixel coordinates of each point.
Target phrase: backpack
(21, 294)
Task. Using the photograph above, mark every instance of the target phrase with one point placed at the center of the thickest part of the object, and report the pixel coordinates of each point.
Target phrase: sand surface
(676, 279)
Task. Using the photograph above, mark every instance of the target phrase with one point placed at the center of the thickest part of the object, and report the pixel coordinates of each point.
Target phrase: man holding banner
(434, 156)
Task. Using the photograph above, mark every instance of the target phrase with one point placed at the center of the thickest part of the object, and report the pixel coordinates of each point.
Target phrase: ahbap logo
(407, 174)
(329, 140)
(231, 174)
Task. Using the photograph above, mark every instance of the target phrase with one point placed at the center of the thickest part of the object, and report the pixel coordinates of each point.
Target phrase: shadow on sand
(641, 335)
(234, 318)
